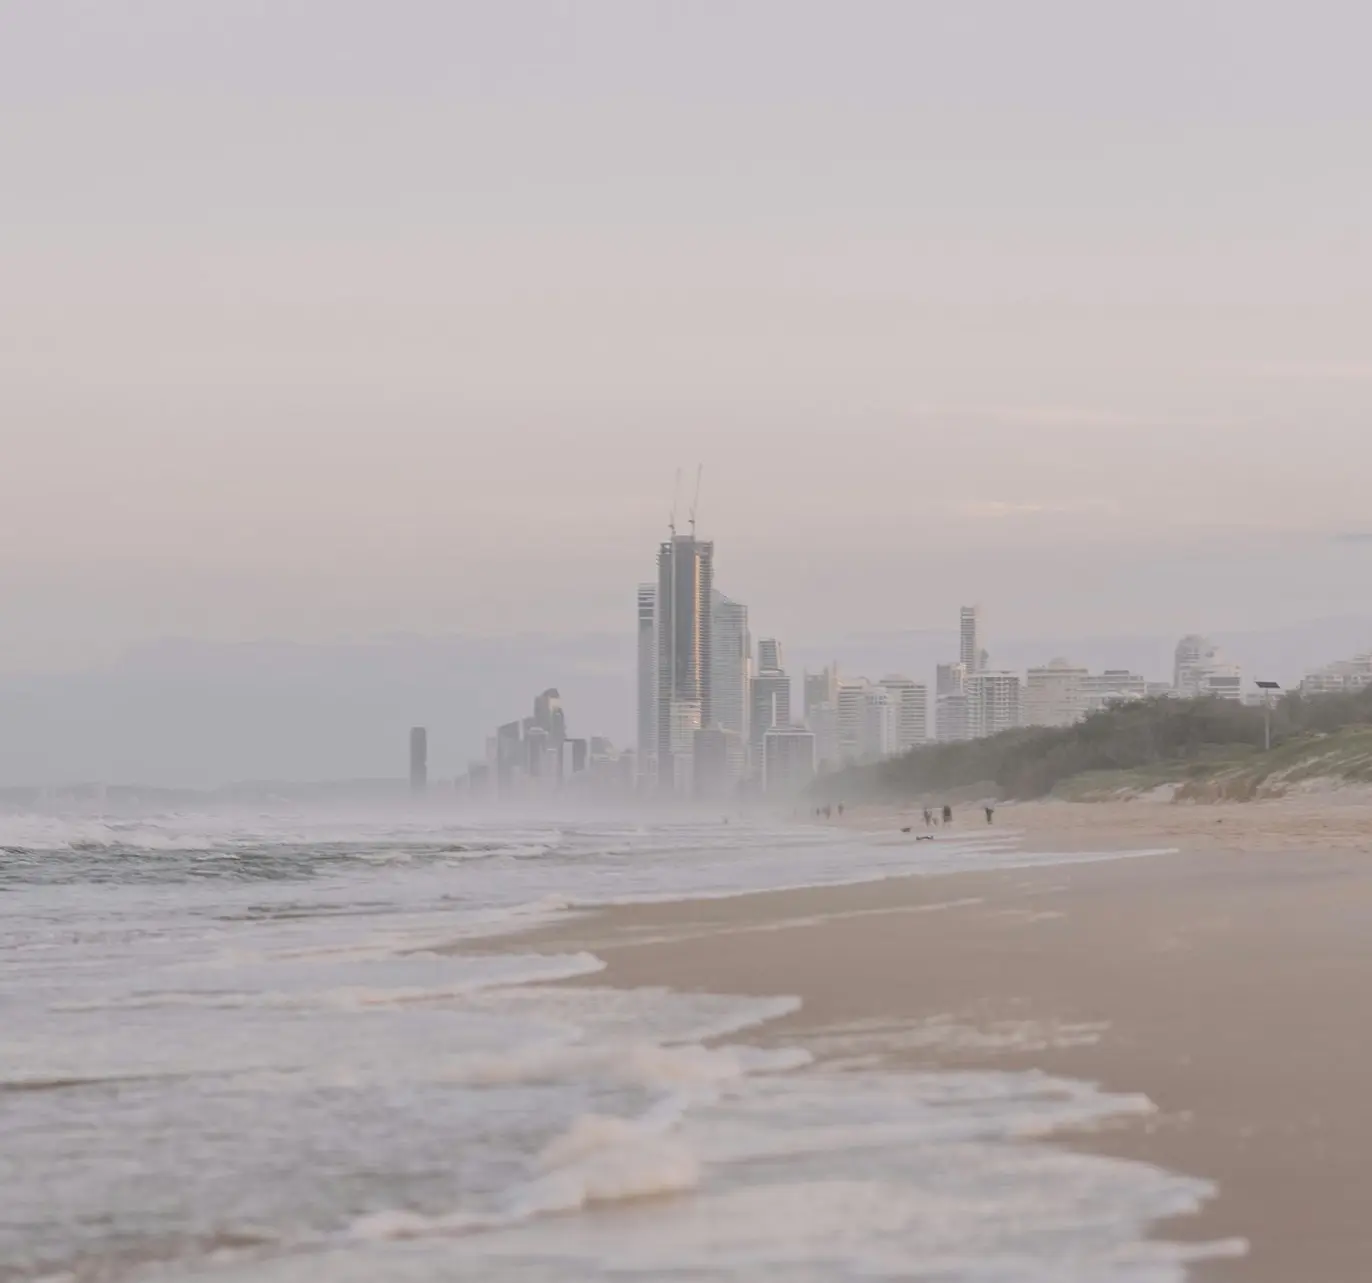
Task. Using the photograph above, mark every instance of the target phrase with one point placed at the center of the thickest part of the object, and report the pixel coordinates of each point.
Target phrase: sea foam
(247, 1024)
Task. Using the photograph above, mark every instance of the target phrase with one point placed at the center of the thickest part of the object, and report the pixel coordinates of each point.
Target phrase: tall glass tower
(685, 649)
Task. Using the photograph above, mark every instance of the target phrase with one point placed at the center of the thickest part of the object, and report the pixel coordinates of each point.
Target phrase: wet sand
(1231, 983)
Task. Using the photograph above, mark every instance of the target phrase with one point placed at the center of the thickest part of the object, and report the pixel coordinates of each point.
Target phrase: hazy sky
(325, 318)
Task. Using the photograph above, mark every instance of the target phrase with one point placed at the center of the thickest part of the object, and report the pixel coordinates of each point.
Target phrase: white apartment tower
(880, 724)
(1053, 694)
(1113, 686)
(993, 703)
(912, 716)
(970, 652)
(851, 714)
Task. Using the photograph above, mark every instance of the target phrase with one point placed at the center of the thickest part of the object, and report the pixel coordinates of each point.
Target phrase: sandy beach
(1227, 981)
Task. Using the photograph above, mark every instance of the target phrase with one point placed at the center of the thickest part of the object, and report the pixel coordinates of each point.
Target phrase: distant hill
(1204, 749)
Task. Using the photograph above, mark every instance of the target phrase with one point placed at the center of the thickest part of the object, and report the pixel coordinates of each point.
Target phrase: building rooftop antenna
(695, 501)
(676, 491)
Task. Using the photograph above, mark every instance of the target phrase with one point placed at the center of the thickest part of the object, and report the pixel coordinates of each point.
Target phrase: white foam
(643, 1064)
(263, 1019)
(602, 1159)
(816, 1176)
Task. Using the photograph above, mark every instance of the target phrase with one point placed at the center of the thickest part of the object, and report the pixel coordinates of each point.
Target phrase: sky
(324, 320)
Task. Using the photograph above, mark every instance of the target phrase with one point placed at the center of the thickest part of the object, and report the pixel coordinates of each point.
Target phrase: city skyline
(693, 642)
(212, 716)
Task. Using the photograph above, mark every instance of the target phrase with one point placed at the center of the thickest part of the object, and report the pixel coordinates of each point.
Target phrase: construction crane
(695, 501)
(676, 492)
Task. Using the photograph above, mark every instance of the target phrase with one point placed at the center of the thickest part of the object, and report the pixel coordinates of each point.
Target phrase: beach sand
(1230, 982)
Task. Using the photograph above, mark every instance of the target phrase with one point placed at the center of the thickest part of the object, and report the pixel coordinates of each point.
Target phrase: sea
(298, 1047)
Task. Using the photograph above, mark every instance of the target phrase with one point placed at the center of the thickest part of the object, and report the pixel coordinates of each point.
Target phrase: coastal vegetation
(1197, 749)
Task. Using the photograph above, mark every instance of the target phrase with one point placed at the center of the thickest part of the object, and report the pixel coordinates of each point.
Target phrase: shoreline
(1222, 981)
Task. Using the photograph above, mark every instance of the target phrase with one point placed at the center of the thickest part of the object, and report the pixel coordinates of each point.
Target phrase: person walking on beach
(928, 818)
(990, 811)
(947, 814)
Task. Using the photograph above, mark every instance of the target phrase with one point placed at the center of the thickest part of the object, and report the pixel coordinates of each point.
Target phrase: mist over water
(235, 1047)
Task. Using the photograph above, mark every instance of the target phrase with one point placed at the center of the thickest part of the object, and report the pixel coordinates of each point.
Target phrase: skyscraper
(970, 651)
(820, 688)
(731, 661)
(549, 716)
(912, 711)
(419, 759)
(647, 681)
(685, 648)
(851, 713)
(769, 656)
(993, 703)
(880, 723)
(1053, 695)
(770, 707)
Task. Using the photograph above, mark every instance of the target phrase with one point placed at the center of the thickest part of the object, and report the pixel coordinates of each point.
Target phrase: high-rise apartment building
(685, 646)
(731, 661)
(970, 652)
(993, 703)
(950, 679)
(419, 759)
(822, 719)
(880, 724)
(1061, 693)
(549, 716)
(1113, 686)
(1341, 676)
(1192, 654)
(1200, 669)
(851, 716)
(912, 710)
(769, 656)
(770, 706)
(647, 681)
(820, 688)
(952, 723)
(1054, 695)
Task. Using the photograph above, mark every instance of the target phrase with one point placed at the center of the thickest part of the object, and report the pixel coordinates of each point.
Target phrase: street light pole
(1267, 688)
